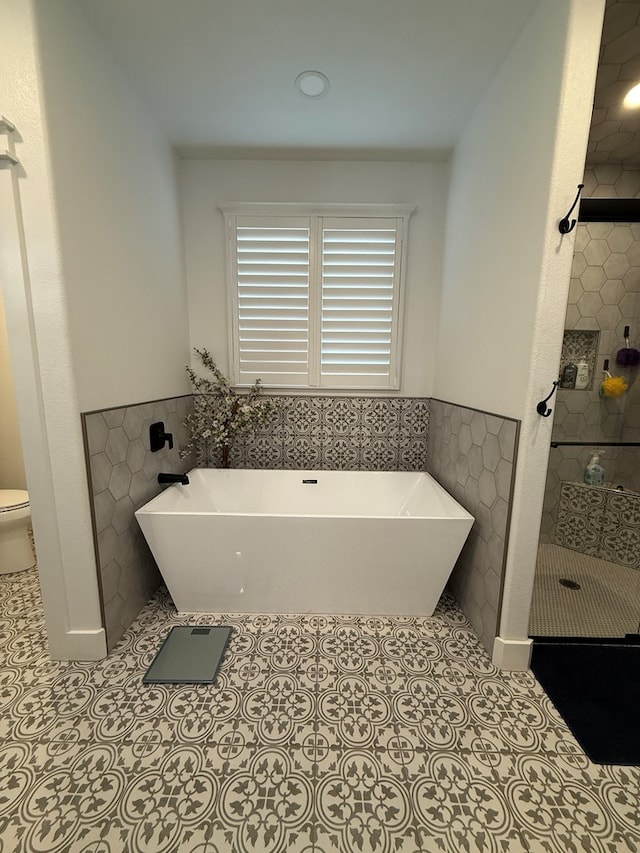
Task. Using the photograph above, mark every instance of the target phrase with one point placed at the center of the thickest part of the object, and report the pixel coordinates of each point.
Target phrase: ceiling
(218, 75)
(615, 131)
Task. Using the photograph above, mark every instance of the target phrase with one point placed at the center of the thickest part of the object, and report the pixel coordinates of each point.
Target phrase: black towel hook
(565, 226)
(542, 408)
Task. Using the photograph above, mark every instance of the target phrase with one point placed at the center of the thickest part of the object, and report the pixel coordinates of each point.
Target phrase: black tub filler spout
(173, 478)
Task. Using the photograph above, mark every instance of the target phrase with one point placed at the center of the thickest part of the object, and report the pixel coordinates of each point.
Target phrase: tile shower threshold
(626, 640)
(605, 487)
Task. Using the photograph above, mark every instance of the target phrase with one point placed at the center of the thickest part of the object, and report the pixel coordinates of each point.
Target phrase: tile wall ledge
(133, 405)
(312, 392)
(474, 409)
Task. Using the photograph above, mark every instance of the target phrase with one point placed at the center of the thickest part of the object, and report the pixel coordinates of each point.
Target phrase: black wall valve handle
(158, 437)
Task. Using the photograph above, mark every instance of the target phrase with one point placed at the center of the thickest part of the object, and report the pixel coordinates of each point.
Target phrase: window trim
(291, 210)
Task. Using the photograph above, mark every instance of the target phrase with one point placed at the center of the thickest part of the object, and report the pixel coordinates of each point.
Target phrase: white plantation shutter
(315, 300)
(272, 266)
(360, 284)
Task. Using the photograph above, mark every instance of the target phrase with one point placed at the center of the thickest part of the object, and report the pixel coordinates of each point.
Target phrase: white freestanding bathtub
(305, 541)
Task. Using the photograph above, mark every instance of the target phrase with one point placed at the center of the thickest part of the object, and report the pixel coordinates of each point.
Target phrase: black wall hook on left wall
(542, 408)
(565, 226)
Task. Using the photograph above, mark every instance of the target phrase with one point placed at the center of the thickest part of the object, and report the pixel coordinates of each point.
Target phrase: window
(315, 294)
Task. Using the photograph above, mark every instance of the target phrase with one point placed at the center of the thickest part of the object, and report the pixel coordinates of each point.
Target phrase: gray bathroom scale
(191, 654)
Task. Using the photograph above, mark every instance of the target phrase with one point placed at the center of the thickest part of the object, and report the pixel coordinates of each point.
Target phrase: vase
(225, 456)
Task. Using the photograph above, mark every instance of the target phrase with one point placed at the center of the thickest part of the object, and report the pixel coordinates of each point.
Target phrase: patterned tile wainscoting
(600, 522)
(326, 432)
(566, 465)
(122, 477)
(473, 455)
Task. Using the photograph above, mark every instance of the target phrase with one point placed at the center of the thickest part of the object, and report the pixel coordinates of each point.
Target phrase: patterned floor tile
(562, 809)
(317, 747)
(322, 734)
(363, 802)
(360, 716)
(278, 707)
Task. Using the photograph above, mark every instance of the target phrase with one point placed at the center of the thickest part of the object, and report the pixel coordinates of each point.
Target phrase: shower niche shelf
(580, 345)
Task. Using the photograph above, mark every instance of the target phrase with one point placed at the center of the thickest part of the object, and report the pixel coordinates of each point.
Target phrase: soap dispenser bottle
(568, 376)
(594, 472)
(582, 375)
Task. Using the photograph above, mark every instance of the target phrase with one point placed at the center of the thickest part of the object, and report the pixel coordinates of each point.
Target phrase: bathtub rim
(460, 512)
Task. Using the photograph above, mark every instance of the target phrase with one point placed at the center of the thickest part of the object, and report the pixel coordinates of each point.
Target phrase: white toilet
(16, 553)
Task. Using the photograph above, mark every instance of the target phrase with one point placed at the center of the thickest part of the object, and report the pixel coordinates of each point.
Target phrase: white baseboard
(512, 654)
(80, 645)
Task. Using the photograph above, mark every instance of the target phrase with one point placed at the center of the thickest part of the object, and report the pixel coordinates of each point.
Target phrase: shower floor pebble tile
(607, 603)
(323, 734)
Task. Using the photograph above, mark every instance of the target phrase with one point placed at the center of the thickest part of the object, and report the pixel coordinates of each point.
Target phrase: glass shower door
(588, 573)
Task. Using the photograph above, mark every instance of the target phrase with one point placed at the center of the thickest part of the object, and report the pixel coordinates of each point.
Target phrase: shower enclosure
(588, 572)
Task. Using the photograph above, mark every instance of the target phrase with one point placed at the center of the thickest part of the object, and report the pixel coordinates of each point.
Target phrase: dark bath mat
(191, 654)
(596, 688)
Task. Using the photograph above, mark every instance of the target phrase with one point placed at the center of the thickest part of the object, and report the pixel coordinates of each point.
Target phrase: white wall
(506, 268)
(33, 290)
(205, 183)
(94, 293)
(12, 474)
(115, 191)
(495, 224)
